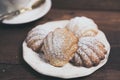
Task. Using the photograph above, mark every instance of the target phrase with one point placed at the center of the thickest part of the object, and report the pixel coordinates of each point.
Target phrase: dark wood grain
(12, 65)
(87, 4)
(110, 71)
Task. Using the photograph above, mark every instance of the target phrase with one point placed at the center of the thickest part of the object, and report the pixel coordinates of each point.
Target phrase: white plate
(30, 15)
(67, 71)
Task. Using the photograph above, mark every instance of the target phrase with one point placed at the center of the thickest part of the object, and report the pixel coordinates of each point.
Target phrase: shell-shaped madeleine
(35, 37)
(82, 26)
(59, 47)
(90, 52)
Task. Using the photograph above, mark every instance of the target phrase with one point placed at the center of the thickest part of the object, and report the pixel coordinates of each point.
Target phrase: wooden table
(12, 65)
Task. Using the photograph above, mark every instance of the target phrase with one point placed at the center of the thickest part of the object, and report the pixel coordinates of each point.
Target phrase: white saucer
(67, 71)
(30, 15)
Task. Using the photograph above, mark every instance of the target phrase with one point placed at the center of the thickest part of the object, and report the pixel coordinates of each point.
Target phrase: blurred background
(87, 4)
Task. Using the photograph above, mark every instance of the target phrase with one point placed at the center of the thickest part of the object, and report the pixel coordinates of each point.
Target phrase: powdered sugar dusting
(79, 25)
(43, 30)
(67, 71)
(40, 32)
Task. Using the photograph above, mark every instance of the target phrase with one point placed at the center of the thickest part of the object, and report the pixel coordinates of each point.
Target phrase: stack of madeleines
(76, 43)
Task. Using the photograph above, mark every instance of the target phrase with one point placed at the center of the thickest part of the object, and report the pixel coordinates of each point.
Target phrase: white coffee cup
(11, 5)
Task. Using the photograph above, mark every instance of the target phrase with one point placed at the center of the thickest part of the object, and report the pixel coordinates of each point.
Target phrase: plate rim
(64, 76)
